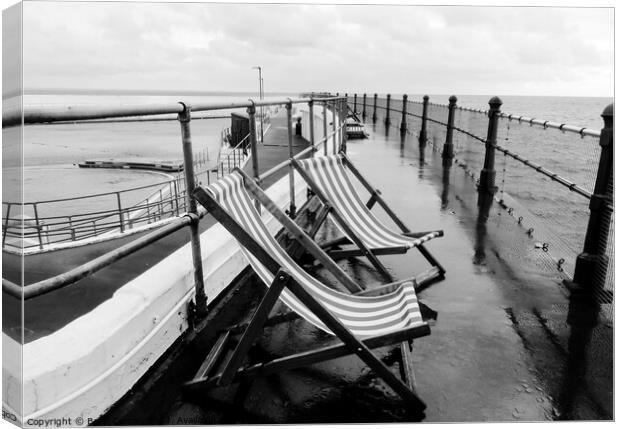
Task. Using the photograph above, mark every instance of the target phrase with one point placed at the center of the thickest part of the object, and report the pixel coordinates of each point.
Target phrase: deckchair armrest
(378, 290)
(422, 233)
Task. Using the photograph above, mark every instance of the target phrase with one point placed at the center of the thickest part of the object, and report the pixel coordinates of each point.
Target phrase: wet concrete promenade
(500, 350)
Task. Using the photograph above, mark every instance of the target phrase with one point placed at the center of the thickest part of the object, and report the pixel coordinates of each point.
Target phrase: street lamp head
(256, 67)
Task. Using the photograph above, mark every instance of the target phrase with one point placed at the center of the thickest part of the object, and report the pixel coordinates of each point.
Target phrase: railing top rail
(34, 114)
(103, 194)
(83, 197)
(582, 131)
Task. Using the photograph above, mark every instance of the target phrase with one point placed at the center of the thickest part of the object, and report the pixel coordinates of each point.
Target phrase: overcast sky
(413, 49)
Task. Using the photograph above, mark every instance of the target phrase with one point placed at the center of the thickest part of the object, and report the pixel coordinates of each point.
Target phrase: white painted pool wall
(82, 369)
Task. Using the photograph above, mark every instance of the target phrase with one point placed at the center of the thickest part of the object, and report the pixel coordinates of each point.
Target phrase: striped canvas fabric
(364, 316)
(329, 174)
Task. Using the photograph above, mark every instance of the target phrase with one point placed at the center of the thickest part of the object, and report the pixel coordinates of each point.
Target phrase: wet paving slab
(500, 350)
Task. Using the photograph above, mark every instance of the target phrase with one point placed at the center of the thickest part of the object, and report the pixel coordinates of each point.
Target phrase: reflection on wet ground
(508, 345)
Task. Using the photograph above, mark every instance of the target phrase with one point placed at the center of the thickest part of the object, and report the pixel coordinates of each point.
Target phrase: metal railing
(233, 157)
(572, 230)
(192, 215)
(37, 225)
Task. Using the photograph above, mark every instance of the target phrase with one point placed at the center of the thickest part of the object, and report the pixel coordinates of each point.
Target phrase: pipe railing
(568, 183)
(49, 114)
(593, 263)
(56, 229)
(239, 155)
(193, 215)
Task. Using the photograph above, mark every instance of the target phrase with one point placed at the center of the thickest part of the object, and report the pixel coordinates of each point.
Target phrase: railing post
(171, 202)
(448, 148)
(355, 103)
(592, 263)
(291, 170)
(325, 128)
(120, 211)
(403, 121)
(343, 126)
(364, 108)
(311, 123)
(6, 223)
(252, 116)
(487, 175)
(334, 127)
(37, 226)
(190, 184)
(422, 137)
(387, 110)
(374, 109)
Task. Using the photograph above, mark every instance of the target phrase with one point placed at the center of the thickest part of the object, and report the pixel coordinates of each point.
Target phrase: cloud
(418, 49)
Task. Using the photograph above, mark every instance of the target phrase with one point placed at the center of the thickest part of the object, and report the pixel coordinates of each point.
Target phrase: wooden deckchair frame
(350, 344)
(437, 271)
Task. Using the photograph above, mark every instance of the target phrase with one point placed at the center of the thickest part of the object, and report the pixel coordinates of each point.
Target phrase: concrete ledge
(84, 368)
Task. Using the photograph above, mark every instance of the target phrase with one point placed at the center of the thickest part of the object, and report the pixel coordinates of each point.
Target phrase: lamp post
(260, 97)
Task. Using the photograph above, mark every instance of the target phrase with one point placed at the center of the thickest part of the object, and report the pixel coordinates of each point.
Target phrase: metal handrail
(566, 182)
(189, 219)
(48, 114)
(73, 222)
(78, 273)
(582, 131)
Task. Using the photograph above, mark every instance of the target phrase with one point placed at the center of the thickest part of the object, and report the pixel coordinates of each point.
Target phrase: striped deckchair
(361, 322)
(327, 177)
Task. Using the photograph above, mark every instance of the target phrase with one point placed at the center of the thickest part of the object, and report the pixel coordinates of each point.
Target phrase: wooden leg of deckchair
(355, 344)
(249, 336)
(375, 193)
(371, 202)
(335, 242)
(407, 364)
(343, 224)
(311, 357)
(430, 258)
(296, 249)
(321, 217)
(278, 319)
(352, 253)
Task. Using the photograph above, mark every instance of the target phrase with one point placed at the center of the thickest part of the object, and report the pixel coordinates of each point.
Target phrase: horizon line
(147, 92)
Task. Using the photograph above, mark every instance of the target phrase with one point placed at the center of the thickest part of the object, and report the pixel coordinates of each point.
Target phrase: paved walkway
(499, 351)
